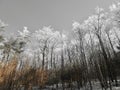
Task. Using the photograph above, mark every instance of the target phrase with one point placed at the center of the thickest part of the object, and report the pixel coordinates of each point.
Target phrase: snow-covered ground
(114, 88)
(96, 86)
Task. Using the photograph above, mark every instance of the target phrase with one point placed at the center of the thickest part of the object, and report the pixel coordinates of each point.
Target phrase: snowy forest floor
(95, 86)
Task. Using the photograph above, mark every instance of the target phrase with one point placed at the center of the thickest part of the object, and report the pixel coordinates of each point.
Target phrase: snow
(112, 7)
(75, 25)
(25, 33)
(2, 24)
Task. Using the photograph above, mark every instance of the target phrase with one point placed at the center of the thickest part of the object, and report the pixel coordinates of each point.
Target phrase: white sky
(36, 13)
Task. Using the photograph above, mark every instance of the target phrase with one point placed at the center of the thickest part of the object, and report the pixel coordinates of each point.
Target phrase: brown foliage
(42, 77)
(7, 71)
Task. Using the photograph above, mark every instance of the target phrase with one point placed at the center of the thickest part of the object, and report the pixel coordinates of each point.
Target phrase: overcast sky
(37, 13)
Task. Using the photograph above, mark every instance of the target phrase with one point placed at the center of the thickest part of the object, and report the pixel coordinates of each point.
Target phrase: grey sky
(36, 13)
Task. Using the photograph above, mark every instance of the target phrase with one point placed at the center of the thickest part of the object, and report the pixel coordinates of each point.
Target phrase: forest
(88, 59)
